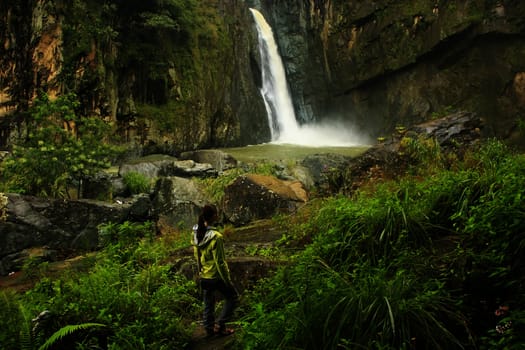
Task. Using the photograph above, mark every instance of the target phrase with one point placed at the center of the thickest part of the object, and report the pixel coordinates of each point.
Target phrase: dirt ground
(202, 342)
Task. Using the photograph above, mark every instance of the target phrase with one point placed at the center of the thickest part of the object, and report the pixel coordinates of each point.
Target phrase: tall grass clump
(136, 182)
(420, 263)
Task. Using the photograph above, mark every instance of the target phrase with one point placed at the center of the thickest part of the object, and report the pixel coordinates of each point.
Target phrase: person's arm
(220, 260)
(197, 257)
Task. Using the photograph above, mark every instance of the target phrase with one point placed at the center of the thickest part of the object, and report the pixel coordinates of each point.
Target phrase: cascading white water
(274, 90)
(281, 116)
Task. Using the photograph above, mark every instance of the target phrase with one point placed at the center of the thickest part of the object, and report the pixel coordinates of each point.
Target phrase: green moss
(167, 117)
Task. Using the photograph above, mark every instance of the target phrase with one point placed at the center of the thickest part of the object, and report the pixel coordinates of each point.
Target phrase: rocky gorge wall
(169, 75)
(175, 76)
(385, 63)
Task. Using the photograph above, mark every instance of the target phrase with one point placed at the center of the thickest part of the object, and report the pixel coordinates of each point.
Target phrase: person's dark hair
(208, 213)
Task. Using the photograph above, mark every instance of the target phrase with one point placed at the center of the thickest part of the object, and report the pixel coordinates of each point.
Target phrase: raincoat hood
(208, 236)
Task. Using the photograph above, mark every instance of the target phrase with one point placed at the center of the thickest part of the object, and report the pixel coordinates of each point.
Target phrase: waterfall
(279, 107)
(274, 90)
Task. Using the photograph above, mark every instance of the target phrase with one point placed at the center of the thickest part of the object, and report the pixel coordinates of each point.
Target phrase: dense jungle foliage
(60, 150)
(434, 260)
(141, 64)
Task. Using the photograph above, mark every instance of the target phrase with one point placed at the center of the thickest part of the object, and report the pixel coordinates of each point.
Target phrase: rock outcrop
(177, 201)
(219, 160)
(174, 203)
(184, 76)
(383, 64)
(251, 197)
(161, 165)
(373, 64)
(454, 135)
(60, 225)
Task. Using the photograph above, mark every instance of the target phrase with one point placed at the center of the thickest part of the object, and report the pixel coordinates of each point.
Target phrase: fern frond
(25, 333)
(67, 330)
(25, 339)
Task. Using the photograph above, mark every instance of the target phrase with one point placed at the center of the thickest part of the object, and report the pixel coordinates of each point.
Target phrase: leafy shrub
(127, 234)
(214, 187)
(425, 150)
(136, 305)
(351, 302)
(3, 207)
(67, 332)
(61, 149)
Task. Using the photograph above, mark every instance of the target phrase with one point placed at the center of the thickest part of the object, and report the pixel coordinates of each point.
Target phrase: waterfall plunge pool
(284, 153)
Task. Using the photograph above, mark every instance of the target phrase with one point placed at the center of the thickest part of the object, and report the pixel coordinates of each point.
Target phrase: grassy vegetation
(136, 182)
(129, 292)
(423, 262)
(416, 263)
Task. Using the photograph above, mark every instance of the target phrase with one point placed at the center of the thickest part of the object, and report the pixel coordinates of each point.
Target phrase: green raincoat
(210, 255)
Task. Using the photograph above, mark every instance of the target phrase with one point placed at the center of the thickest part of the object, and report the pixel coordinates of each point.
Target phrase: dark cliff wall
(177, 75)
(387, 63)
(171, 75)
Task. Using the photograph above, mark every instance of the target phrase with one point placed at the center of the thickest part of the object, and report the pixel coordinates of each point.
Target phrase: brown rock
(251, 197)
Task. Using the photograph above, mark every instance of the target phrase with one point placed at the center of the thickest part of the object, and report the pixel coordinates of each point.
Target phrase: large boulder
(149, 166)
(62, 225)
(457, 129)
(324, 169)
(251, 197)
(176, 201)
(154, 166)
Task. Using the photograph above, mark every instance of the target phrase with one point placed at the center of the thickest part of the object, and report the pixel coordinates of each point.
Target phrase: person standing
(214, 274)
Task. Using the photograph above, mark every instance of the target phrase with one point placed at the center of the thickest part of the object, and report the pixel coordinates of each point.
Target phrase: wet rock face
(377, 64)
(381, 64)
(41, 52)
(59, 224)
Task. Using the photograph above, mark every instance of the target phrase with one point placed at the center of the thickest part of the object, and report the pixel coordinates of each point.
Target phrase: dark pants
(209, 288)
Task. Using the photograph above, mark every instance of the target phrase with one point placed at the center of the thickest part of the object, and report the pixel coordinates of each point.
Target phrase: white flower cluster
(3, 207)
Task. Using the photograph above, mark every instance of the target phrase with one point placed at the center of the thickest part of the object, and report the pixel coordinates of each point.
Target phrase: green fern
(67, 330)
(25, 333)
(25, 339)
